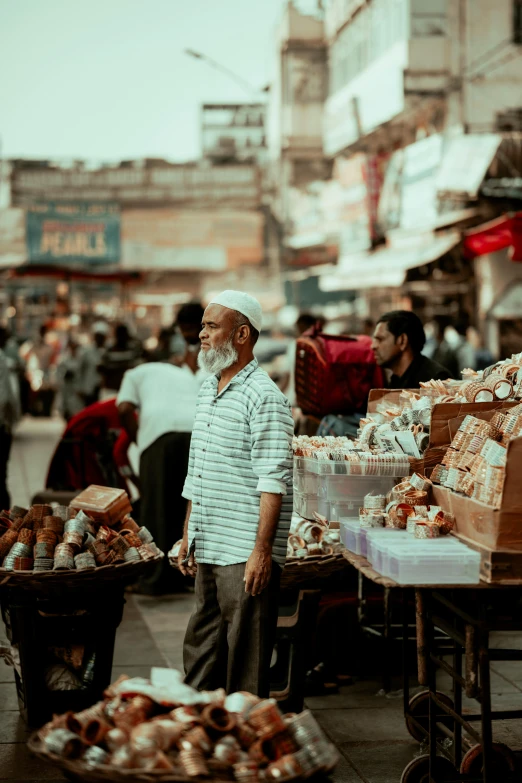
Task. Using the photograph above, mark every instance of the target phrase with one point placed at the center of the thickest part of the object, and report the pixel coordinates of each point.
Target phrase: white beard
(215, 360)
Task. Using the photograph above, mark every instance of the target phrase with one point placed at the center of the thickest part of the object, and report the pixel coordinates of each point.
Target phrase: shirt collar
(240, 377)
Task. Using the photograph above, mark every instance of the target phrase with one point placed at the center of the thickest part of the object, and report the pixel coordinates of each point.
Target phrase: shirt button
(197, 504)
(199, 475)
(203, 449)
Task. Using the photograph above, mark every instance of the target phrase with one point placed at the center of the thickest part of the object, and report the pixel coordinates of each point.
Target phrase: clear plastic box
(305, 504)
(446, 561)
(353, 489)
(376, 539)
(357, 538)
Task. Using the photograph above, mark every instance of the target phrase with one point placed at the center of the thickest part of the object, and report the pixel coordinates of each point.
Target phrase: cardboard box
(446, 418)
(496, 529)
(106, 504)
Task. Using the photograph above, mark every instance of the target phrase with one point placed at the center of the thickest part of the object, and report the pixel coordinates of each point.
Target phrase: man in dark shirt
(397, 344)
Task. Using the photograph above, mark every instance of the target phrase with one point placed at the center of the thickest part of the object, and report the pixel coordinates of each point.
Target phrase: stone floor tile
(8, 697)
(379, 762)
(358, 725)
(12, 728)
(17, 764)
(345, 773)
(6, 672)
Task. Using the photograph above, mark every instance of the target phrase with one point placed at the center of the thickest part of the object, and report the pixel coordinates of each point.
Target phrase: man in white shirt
(164, 396)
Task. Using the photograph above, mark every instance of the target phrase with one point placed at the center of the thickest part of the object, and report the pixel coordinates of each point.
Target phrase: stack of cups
(63, 557)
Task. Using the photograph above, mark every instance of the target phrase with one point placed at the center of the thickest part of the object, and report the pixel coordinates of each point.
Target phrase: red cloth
(87, 442)
(504, 232)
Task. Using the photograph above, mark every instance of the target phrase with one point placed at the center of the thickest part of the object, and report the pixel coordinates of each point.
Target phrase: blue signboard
(78, 233)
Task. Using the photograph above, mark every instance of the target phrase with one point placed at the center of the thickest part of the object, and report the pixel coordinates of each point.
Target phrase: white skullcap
(100, 327)
(244, 304)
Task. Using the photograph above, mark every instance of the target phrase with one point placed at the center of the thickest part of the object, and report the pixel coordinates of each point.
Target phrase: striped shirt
(241, 446)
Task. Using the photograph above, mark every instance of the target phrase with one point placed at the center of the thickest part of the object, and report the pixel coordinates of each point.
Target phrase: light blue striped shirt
(241, 446)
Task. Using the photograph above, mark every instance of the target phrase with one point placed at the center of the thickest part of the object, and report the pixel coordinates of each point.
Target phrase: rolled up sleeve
(187, 486)
(271, 429)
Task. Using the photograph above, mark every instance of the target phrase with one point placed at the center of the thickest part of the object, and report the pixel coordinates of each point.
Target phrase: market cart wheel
(418, 770)
(503, 761)
(419, 710)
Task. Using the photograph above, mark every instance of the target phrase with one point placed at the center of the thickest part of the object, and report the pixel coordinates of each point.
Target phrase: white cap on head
(100, 327)
(244, 303)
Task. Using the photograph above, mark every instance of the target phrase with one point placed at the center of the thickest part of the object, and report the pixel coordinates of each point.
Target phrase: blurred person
(69, 381)
(457, 337)
(368, 326)
(124, 353)
(397, 344)
(16, 367)
(7, 421)
(239, 488)
(93, 450)
(438, 348)
(483, 356)
(157, 407)
(41, 365)
(188, 323)
(162, 352)
(90, 361)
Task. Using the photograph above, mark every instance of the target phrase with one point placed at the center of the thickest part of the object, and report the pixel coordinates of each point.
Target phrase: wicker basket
(75, 770)
(55, 582)
(300, 570)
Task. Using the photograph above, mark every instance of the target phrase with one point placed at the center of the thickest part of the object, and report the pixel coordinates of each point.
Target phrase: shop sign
(86, 233)
(184, 240)
(220, 185)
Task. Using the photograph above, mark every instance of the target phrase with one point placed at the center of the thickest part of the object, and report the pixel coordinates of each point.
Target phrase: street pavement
(367, 727)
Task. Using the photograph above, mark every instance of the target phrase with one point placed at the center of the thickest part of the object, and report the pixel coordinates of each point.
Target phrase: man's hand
(190, 568)
(258, 570)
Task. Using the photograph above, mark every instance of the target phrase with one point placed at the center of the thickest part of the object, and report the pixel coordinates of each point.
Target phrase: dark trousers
(6, 440)
(231, 635)
(163, 468)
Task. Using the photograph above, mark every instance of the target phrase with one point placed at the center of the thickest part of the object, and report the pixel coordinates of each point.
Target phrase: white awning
(465, 162)
(386, 268)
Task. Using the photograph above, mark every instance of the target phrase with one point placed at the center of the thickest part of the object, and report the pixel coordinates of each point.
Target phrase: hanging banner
(59, 233)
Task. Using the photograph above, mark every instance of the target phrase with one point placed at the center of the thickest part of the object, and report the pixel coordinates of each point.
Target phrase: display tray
(75, 770)
(298, 570)
(53, 581)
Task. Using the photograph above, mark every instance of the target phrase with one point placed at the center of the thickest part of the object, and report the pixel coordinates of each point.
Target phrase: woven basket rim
(114, 774)
(51, 578)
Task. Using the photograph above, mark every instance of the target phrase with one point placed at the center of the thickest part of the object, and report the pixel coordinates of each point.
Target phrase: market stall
(64, 570)
(427, 499)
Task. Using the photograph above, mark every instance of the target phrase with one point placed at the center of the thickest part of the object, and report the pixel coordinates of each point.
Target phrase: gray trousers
(231, 635)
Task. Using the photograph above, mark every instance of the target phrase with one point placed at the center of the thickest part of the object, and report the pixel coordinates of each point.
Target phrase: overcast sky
(107, 79)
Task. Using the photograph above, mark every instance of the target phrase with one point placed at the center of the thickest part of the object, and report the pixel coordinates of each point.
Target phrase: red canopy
(505, 231)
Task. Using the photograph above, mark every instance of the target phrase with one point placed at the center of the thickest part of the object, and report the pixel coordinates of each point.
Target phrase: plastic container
(353, 489)
(357, 539)
(342, 508)
(351, 534)
(305, 481)
(377, 539)
(446, 561)
(305, 504)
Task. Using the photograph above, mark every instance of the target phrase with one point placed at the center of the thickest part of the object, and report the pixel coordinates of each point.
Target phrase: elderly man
(239, 487)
